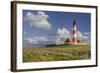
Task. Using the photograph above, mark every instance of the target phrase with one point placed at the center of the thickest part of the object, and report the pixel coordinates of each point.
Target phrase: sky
(46, 27)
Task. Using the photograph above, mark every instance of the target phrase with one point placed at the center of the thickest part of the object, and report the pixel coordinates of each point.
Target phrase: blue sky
(48, 23)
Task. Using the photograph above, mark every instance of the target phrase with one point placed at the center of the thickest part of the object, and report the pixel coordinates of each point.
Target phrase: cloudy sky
(46, 27)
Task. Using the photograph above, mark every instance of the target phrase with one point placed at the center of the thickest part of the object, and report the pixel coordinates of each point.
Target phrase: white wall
(5, 37)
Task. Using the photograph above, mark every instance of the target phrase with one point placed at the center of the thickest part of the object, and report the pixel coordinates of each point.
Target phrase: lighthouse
(73, 39)
(74, 32)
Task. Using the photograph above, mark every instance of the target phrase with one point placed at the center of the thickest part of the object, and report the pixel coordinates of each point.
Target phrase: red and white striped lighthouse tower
(74, 32)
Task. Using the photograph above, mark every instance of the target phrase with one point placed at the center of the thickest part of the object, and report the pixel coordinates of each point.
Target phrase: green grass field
(57, 53)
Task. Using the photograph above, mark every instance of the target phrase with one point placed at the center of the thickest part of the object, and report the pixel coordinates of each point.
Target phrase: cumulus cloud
(84, 37)
(87, 33)
(40, 38)
(60, 40)
(39, 41)
(62, 35)
(44, 40)
(81, 36)
(62, 32)
(31, 41)
(38, 20)
(36, 40)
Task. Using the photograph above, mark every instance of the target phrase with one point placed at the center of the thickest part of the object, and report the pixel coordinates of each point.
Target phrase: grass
(57, 53)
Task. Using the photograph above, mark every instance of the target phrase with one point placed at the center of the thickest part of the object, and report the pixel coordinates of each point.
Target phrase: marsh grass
(57, 53)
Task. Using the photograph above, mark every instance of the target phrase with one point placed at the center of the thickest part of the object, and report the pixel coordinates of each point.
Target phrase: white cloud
(36, 40)
(29, 14)
(59, 40)
(79, 33)
(42, 14)
(81, 36)
(41, 38)
(38, 20)
(44, 40)
(62, 35)
(31, 41)
(84, 37)
(87, 33)
(62, 32)
(24, 32)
